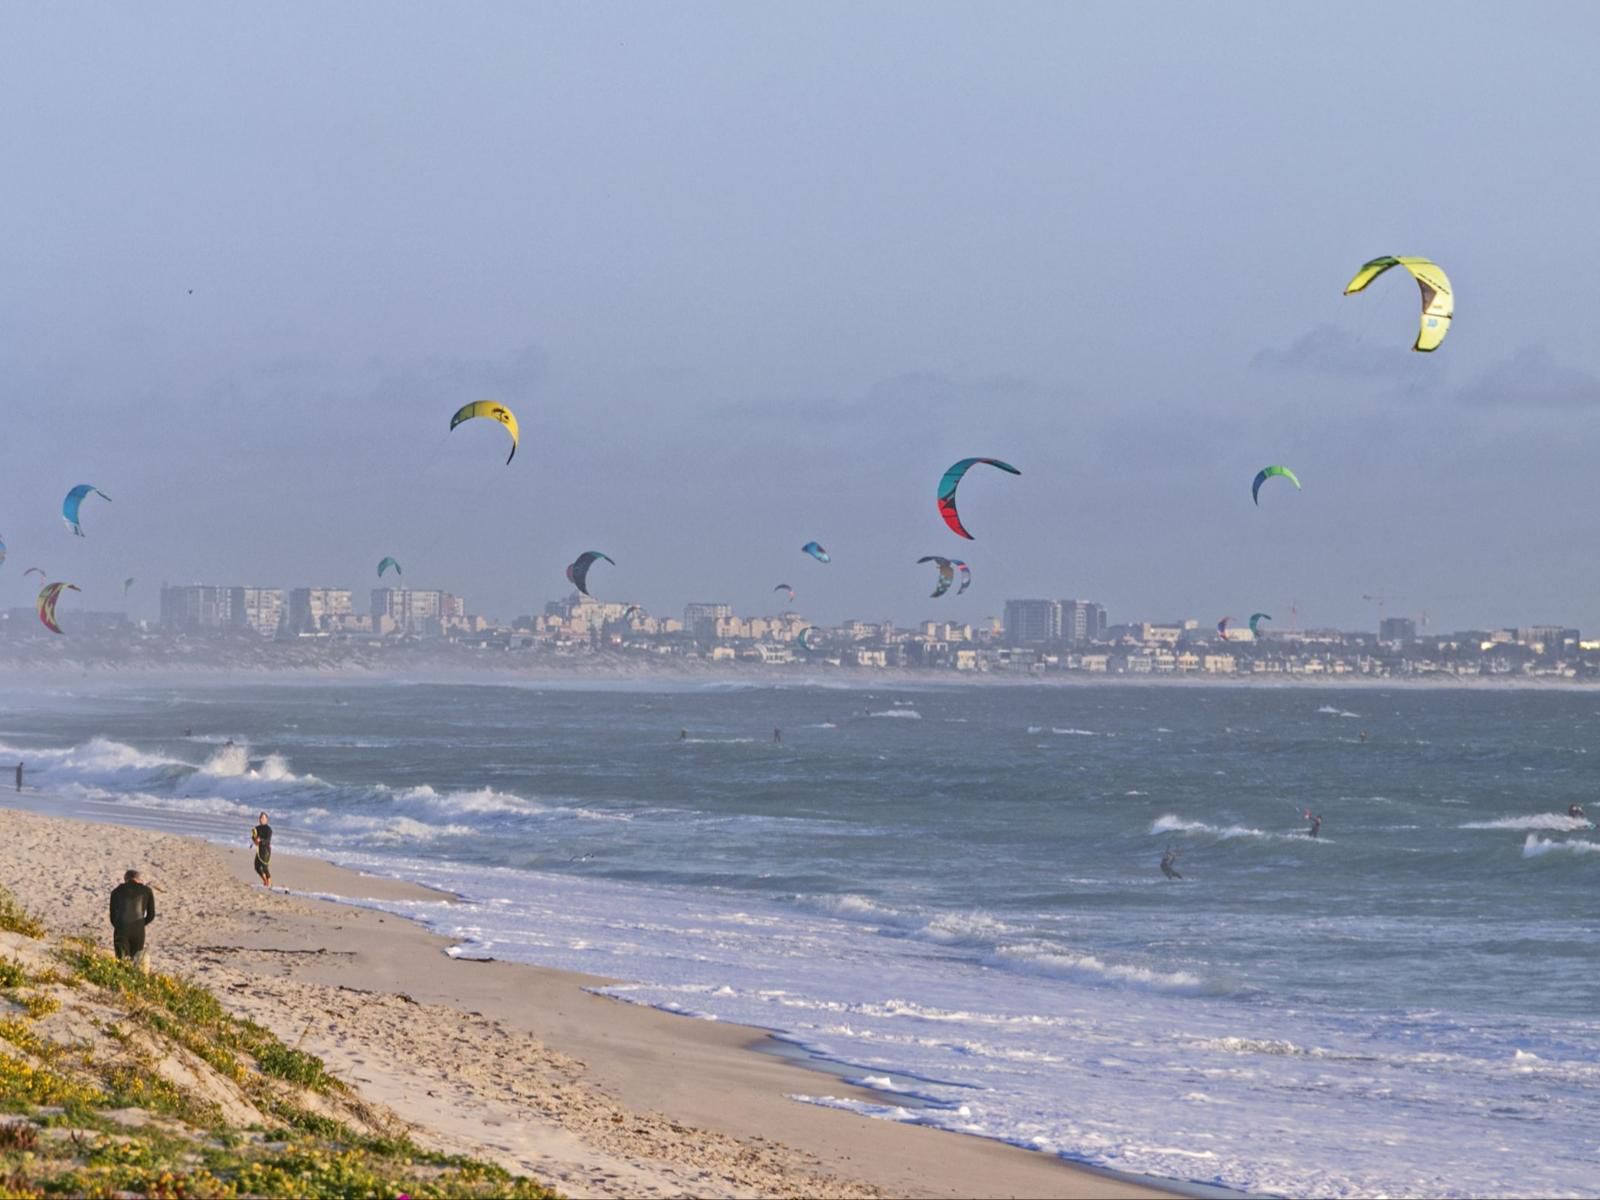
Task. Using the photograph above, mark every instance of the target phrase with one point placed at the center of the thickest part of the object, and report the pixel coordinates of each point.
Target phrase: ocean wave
(1559, 822)
(1174, 824)
(1331, 711)
(1078, 732)
(1536, 847)
(908, 714)
(1038, 959)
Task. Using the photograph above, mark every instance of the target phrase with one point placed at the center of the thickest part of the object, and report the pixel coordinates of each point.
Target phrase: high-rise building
(1397, 631)
(701, 619)
(1032, 622)
(260, 610)
(414, 613)
(1082, 621)
(320, 610)
(191, 607)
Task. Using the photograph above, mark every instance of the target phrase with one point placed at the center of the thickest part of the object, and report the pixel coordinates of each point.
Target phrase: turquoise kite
(1267, 473)
(952, 479)
(966, 575)
(74, 500)
(385, 563)
(816, 552)
(803, 637)
(1256, 619)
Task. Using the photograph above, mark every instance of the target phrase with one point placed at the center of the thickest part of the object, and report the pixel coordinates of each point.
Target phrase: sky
(752, 275)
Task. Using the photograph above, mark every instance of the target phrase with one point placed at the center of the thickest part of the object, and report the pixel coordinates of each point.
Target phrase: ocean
(952, 893)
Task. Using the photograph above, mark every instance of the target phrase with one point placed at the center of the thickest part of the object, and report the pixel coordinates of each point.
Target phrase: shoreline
(645, 1102)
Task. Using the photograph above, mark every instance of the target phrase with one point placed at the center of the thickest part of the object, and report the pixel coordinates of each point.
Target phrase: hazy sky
(756, 274)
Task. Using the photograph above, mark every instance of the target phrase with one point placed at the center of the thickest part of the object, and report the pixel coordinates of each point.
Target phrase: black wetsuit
(263, 836)
(133, 906)
(1167, 868)
(1316, 826)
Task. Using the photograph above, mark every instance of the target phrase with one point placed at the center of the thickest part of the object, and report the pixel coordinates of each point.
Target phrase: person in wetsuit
(1575, 811)
(261, 838)
(1167, 861)
(133, 906)
(19, 776)
(777, 736)
(1316, 825)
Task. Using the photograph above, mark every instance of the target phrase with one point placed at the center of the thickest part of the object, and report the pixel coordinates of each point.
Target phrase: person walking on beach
(133, 906)
(261, 838)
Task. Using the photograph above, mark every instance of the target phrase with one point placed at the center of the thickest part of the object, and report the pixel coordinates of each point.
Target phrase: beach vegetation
(16, 919)
(146, 1086)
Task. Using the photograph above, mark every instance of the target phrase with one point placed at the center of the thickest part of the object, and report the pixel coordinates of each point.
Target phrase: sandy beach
(515, 1064)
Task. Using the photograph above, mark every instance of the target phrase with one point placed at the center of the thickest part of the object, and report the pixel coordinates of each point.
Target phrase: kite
(493, 411)
(126, 584)
(48, 595)
(69, 506)
(385, 564)
(947, 574)
(1438, 302)
(1267, 473)
(578, 569)
(966, 574)
(947, 490)
(1222, 627)
(2, 550)
(1256, 619)
(784, 587)
(816, 552)
(803, 637)
(32, 570)
(631, 611)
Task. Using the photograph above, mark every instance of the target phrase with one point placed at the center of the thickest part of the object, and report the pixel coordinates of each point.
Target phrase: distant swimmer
(683, 735)
(261, 839)
(1575, 811)
(1316, 824)
(1167, 861)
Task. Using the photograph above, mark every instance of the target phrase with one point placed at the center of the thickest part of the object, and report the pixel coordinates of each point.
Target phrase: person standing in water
(19, 776)
(777, 736)
(1316, 824)
(1167, 864)
(261, 838)
(133, 906)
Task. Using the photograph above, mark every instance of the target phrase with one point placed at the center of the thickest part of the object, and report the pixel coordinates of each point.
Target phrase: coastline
(516, 1063)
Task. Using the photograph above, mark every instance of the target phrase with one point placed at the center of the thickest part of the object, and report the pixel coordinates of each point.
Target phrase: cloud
(1329, 350)
(1531, 379)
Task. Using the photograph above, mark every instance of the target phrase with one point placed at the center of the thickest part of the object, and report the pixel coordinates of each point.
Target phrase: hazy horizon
(756, 275)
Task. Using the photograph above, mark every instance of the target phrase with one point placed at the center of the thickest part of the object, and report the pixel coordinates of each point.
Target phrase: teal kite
(947, 574)
(952, 479)
(578, 569)
(74, 501)
(385, 563)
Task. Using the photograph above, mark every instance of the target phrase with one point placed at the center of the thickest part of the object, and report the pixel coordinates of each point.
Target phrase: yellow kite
(494, 411)
(1438, 302)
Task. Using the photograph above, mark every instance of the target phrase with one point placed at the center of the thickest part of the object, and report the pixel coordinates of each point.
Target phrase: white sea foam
(1535, 846)
(1076, 732)
(909, 714)
(1554, 821)
(1174, 824)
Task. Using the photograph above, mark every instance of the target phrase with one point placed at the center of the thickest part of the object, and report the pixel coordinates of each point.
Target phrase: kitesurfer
(1575, 811)
(1316, 824)
(261, 839)
(683, 735)
(1167, 861)
(777, 736)
(19, 777)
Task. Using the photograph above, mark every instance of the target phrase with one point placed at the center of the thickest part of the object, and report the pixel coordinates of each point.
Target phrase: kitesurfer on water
(1167, 861)
(1575, 811)
(1316, 824)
